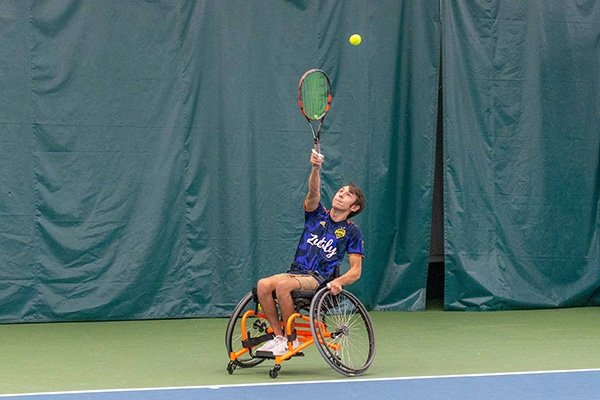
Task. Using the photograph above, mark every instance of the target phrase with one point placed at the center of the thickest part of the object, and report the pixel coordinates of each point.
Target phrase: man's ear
(354, 207)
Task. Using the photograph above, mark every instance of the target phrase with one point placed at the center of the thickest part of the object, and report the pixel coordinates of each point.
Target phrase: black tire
(274, 372)
(343, 331)
(233, 336)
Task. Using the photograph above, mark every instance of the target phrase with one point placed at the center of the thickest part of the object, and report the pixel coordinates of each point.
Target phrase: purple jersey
(324, 243)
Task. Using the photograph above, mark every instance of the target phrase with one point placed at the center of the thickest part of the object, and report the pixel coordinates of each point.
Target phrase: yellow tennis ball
(355, 39)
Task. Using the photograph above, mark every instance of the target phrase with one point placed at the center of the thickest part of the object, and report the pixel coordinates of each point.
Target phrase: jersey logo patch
(340, 233)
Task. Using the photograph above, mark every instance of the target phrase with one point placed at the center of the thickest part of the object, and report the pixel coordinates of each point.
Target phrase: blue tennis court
(553, 385)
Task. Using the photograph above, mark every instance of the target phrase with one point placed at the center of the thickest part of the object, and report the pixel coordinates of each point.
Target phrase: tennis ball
(355, 39)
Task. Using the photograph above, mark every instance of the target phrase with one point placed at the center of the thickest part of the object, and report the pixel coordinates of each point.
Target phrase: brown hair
(360, 199)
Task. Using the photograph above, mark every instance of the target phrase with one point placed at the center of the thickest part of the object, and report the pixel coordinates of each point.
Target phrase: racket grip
(317, 147)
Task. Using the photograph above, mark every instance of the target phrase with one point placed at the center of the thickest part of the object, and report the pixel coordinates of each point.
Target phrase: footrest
(264, 354)
(269, 355)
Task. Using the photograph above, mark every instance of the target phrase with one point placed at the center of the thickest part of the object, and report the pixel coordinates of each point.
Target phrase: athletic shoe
(276, 341)
(278, 346)
(282, 347)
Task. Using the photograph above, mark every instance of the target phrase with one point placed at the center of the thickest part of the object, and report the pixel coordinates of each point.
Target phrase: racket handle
(317, 147)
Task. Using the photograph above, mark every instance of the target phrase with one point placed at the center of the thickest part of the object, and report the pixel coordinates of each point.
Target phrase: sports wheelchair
(339, 326)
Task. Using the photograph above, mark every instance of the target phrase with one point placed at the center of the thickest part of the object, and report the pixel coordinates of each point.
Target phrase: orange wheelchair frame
(338, 325)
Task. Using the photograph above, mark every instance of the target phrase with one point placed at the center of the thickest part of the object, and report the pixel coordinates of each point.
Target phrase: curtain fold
(522, 153)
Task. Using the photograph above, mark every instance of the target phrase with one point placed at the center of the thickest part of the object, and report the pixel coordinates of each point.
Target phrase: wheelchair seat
(303, 297)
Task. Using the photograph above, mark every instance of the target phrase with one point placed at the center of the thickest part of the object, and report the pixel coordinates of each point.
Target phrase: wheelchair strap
(293, 336)
(255, 341)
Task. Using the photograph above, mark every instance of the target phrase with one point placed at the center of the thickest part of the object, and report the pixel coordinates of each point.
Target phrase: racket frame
(315, 123)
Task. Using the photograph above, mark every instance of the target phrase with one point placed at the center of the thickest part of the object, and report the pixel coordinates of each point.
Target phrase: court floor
(433, 353)
(550, 385)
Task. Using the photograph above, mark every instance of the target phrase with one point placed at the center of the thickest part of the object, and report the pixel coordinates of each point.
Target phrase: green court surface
(172, 353)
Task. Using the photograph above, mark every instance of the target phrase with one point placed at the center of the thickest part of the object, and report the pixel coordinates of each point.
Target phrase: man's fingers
(319, 155)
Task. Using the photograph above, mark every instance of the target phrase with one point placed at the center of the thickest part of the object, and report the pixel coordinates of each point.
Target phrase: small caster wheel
(274, 372)
(231, 367)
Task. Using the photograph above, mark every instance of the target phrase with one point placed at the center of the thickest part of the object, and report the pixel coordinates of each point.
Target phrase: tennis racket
(314, 99)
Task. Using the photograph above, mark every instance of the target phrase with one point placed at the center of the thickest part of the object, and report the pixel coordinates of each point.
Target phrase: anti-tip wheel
(274, 372)
(231, 367)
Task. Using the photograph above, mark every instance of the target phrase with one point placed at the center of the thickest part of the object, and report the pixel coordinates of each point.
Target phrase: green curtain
(522, 147)
(154, 161)
(246, 206)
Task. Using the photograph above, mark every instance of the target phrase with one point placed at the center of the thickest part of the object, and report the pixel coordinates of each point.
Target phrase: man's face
(344, 200)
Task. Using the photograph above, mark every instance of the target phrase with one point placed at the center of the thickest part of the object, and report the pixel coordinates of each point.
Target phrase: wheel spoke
(344, 331)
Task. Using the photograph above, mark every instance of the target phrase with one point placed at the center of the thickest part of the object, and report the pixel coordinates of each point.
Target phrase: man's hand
(316, 159)
(334, 287)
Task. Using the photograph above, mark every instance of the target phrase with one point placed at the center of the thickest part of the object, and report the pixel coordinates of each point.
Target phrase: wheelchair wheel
(343, 331)
(255, 325)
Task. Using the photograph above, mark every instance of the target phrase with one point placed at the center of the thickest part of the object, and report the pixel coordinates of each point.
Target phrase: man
(328, 235)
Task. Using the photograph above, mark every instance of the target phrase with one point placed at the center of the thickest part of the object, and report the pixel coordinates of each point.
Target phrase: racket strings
(315, 95)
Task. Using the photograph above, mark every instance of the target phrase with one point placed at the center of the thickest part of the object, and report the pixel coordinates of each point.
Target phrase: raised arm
(314, 182)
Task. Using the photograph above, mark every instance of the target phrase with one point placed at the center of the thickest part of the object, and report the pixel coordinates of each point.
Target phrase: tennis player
(328, 235)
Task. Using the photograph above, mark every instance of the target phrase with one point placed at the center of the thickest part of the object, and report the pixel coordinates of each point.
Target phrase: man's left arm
(351, 276)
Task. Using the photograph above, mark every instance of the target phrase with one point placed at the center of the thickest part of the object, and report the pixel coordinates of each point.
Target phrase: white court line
(348, 380)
